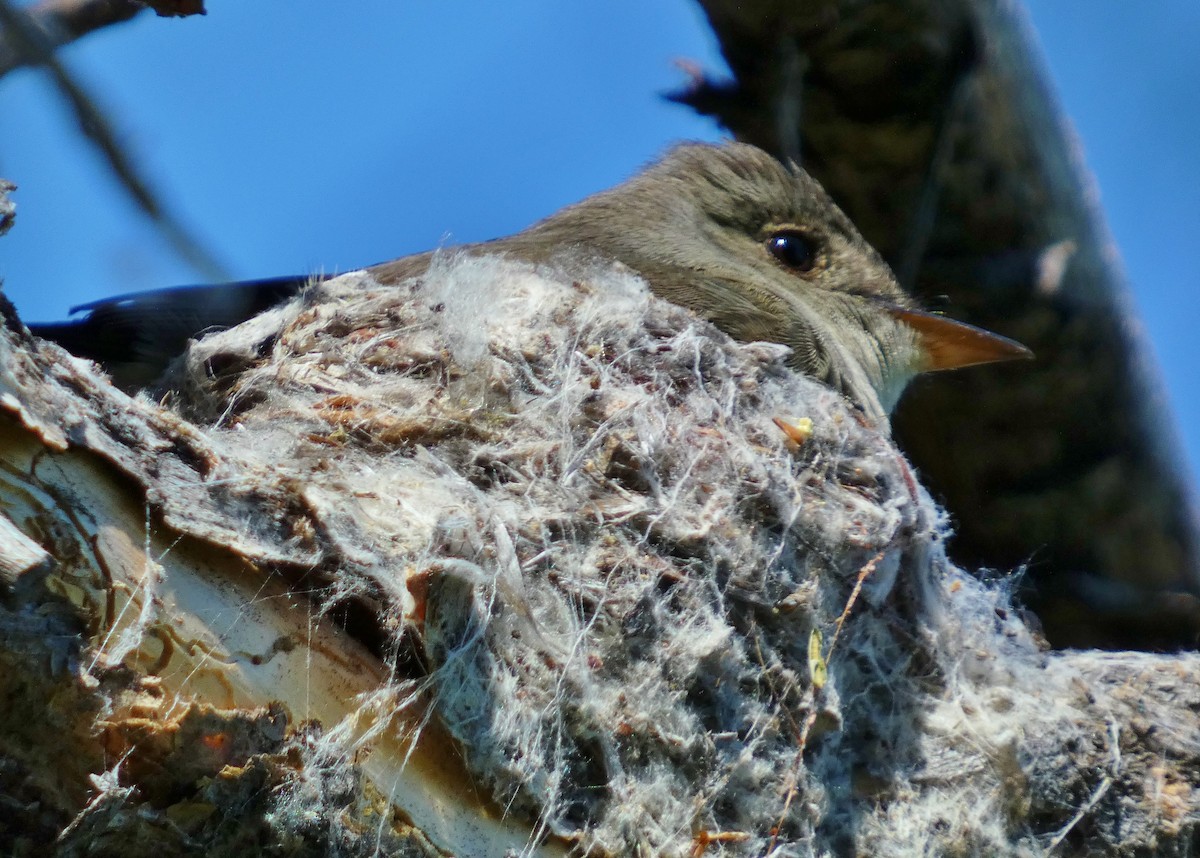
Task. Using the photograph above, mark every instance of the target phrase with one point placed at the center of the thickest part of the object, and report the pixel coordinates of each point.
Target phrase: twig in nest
(858, 585)
(811, 717)
(1114, 740)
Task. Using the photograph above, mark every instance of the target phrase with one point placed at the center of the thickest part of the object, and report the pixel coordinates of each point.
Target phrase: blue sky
(296, 137)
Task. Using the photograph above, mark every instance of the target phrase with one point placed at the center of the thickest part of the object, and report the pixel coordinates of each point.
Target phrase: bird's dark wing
(136, 336)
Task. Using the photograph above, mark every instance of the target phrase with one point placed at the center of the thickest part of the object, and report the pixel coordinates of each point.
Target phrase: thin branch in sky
(63, 21)
(30, 40)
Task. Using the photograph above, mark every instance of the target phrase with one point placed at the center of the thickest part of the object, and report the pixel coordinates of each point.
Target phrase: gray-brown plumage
(756, 247)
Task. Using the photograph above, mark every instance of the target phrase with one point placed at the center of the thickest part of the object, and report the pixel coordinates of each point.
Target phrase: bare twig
(921, 223)
(790, 100)
(63, 21)
(30, 40)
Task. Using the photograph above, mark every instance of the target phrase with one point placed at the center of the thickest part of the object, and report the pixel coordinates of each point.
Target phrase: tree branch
(63, 21)
(932, 125)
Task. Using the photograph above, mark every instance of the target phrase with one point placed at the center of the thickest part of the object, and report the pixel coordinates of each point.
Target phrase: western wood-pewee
(726, 230)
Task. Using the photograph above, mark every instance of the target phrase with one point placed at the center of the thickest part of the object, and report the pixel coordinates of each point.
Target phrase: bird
(752, 244)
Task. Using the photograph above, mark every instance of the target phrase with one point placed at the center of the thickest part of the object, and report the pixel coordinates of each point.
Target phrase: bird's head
(762, 251)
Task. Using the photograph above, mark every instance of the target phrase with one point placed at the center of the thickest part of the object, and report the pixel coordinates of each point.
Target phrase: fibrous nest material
(652, 623)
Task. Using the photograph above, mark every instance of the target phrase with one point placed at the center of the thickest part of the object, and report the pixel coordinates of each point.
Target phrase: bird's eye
(794, 249)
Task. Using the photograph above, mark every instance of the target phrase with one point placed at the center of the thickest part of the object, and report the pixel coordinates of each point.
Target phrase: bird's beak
(947, 344)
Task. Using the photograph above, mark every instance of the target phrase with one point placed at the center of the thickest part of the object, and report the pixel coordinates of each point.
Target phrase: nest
(653, 622)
